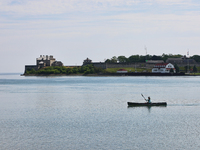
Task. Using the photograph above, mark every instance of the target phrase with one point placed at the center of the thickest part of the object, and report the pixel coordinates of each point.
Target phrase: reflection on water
(92, 113)
(146, 107)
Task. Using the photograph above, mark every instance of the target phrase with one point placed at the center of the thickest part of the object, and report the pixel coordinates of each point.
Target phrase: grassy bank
(114, 70)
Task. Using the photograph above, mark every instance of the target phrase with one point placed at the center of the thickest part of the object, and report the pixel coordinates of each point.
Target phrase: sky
(73, 30)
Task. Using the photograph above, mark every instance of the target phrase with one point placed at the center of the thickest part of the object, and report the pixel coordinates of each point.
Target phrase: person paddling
(148, 100)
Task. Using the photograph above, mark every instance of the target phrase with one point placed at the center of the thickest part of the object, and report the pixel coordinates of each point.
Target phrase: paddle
(143, 97)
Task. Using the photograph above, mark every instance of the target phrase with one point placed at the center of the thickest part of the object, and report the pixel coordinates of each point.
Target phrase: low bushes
(89, 69)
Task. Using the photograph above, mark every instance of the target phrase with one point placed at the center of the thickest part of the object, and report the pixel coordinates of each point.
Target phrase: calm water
(84, 113)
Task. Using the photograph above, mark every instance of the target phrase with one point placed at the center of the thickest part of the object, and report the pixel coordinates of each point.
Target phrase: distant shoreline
(115, 74)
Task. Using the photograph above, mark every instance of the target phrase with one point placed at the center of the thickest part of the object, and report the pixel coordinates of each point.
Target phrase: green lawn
(182, 69)
(114, 70)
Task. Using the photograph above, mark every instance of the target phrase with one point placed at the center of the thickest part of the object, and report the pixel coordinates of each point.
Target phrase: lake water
(48, 113)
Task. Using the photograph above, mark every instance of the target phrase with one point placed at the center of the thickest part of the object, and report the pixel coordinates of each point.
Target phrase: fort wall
(134, 65)
(190, 64)
(122, 65)
(100, 65)
(30, 67)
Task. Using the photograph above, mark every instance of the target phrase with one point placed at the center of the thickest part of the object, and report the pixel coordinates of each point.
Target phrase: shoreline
(115, 74)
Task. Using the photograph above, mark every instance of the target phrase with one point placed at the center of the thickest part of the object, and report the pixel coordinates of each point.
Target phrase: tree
(75, 70)
(177, 56)
(186, 68)
(177, 68)
(194, 69)
(171, 70)
(196, 58)
(164, 57)
(122, 59)
(154, 57)
(148, 57)
(107, 61)
(142, 59)
(134, 58)
(114, 59)
(68, 71)
(57, 71)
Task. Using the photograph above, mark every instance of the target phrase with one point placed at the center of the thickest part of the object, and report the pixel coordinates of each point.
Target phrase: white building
(163, 68)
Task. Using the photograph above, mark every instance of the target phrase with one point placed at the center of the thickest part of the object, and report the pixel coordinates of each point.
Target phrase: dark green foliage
(134, 58)
(30, 71)
(143, 58)
(194, 69)
(154, 57)
(177, 68)
(186, 68)
(51, 70)
(140, 58)
(98, 70)
(171, 70)
(122, 59)
(75, 70)
(114, 59)
(89, 69)
(165, 56)
(107, 61)
(196, 58)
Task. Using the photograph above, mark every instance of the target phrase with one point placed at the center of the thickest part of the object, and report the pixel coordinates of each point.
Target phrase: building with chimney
(44, 61)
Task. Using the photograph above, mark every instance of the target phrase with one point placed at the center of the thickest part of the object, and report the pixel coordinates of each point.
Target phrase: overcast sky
(72, 30)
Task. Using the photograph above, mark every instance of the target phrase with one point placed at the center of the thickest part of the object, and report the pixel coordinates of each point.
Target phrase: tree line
(141, 58)
(89, 69)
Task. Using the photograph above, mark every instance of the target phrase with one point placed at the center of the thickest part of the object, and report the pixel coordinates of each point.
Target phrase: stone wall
(46, 62)
(29, 67)
(125, 65)
(100, 65)
(121, 65)
(135, 65)
(192, 64)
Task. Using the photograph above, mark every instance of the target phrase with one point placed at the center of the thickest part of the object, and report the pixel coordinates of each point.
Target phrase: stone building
(154, 61)
(181, 60)
(44, 61)
(57, 63)
(87, 61)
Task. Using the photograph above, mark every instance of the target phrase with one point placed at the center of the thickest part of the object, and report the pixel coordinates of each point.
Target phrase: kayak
(147, 104)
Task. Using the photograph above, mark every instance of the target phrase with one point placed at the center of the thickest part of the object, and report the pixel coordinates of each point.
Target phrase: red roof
(161, 64)
(122, 70)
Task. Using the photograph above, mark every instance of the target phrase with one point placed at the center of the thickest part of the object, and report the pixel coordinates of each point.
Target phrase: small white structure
(163, 68)
(122, 71)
